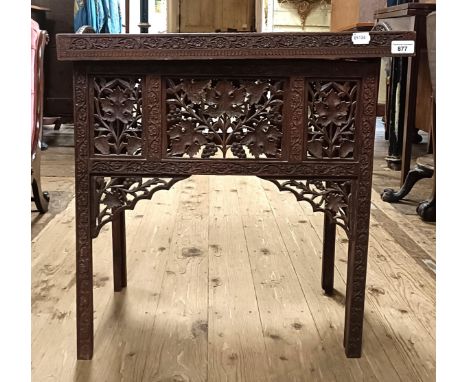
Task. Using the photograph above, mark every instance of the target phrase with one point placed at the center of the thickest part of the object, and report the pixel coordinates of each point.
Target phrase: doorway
(204, 16)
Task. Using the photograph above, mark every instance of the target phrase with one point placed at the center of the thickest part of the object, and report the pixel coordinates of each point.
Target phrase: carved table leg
(357, 268)
(328, 254)
(84, 275)
(119, 251)
(418, 173)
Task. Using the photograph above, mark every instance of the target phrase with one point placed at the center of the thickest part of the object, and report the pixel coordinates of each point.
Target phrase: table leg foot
(390, 195)
(328, 254)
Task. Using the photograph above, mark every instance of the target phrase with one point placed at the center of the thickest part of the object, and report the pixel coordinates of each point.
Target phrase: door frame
(173, 15)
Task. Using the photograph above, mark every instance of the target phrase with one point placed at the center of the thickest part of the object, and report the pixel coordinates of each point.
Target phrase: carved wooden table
(295, 109)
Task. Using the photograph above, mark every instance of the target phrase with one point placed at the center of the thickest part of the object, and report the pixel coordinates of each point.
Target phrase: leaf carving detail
(185, 140)
(224, 117)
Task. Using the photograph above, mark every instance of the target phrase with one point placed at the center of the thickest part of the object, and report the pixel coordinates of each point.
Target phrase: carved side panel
(118, 116)
(224, 118)
(331, 119)
(114, 194)
(330, 197)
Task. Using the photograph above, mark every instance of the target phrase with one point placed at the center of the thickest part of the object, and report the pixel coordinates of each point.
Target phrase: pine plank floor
(224, 285)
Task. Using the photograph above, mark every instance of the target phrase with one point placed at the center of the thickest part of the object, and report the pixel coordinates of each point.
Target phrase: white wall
(284, 17)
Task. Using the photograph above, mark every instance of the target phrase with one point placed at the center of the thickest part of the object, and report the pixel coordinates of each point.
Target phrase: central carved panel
(224, 118)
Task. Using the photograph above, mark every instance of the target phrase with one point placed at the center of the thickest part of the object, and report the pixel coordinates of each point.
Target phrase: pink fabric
(35, 31)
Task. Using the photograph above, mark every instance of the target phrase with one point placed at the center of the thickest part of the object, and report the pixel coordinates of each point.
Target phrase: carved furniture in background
(38, 42)
(297, 109)
(409, 105)
(58, 96)
(425, 167)
(39, 14)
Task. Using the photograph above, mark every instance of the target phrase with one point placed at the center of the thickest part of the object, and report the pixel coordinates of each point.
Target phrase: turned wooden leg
(119, 251)
(328, 254)
(84, 275)
(40, 198)
(391, 196)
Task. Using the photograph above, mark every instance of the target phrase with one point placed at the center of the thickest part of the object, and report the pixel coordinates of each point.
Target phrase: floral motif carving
(331, 119)
(117, 116)
(114, 194)
(152, 113)
(245, 45)
(296, 123)
(224, 118)
(193, 167)
(330, 197)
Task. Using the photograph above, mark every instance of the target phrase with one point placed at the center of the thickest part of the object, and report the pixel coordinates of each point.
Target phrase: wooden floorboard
(224, 285)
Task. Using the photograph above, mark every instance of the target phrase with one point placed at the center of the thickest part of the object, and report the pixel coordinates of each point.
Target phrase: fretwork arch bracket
(116, 194)
(331, 197)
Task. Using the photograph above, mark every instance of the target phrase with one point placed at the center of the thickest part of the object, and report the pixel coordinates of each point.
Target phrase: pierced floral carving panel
(118, 116)
(224, 118)
(114, 194)
(331, 117)
(331, 197)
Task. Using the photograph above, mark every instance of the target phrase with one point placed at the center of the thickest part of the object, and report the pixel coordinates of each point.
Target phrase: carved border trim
(297, 106)
(152, 113)
(213, 167)
(243, 45)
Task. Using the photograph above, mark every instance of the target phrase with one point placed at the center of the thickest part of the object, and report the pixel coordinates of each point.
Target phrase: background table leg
(119, 251)
(328, 254)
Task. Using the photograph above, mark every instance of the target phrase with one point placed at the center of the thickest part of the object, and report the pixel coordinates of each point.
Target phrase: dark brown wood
(186, 46)
(402, 135)
(408, 9)
(119, 247)
(425, 167)
(328, 254)
(153, 110)
(357, 27)
(127, 16)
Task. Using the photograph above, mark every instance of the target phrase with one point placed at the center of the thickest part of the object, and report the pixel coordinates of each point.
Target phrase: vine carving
(224, 118)
(330, 197)
(331, 119)
(115, 194)
(117, 116)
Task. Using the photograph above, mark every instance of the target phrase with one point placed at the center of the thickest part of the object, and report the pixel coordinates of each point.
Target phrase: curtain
(103, 15)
